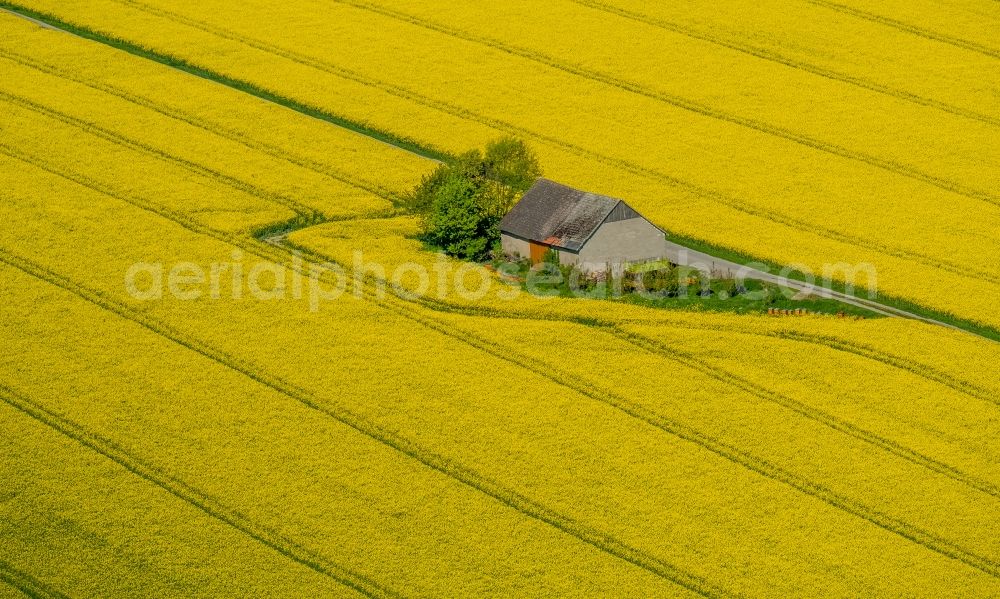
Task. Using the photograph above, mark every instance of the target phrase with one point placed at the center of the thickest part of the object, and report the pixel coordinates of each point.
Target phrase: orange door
(537, 251)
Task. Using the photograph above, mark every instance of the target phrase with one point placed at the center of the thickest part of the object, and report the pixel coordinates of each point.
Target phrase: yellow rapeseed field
(775, 151)
(335, 432)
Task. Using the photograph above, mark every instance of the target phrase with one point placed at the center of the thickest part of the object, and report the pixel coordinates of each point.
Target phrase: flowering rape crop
(386, 442)
(708, 137)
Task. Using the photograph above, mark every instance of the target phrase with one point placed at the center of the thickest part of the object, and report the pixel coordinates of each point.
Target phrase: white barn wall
(513, 246)
(615, 243)
(632, 240)
(568, 258)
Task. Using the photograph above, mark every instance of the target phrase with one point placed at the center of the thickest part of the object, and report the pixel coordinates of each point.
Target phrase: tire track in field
(914, 367)
(922, 370)
(747, 460)
(919, 369)
(759, 466)
(138, 146)
(705, 368)
(719, 374)
(731, 379)
(764, 468)
(903, 26)
(185, 492)
(213, 128)
(627, 166)
(529, 507)
(772, 56)
(24, 582)
(683, 103)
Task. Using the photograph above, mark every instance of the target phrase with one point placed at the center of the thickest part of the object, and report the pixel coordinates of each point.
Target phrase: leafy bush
(462, 202)
(736, 288)
(455, 221)
(551, 256)
(578, 280)
(664, 282)
(511, 163)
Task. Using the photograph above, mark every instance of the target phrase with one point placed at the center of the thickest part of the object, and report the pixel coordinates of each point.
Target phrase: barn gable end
(586, 229)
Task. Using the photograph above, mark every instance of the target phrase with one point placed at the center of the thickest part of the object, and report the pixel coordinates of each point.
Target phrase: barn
(594, 232)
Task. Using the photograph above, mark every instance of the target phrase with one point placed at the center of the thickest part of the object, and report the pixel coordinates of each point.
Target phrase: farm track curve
(528, 507)
(917, 533)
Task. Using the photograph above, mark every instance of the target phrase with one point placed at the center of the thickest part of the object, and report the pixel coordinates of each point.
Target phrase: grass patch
(894, 302)
(716, 295)
(759, 299)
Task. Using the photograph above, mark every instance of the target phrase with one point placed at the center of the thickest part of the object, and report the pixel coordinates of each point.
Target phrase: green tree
(456, 222)
(462, 202)
(420, 201)
(511, 163)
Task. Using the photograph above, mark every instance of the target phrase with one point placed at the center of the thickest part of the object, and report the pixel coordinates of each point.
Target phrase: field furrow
(684, 432)
(931, 34)
(688, 104)
(185, 492)
(24, 583)
(139, 541)
(357, 502)
(133, 144)
(287, 154)
(234, 363)
(894, 279)
(758, 50)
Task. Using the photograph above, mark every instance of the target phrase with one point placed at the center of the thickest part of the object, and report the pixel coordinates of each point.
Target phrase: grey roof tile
(557, 215)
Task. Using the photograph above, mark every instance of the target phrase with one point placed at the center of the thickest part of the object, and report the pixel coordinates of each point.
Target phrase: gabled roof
(558, 215)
